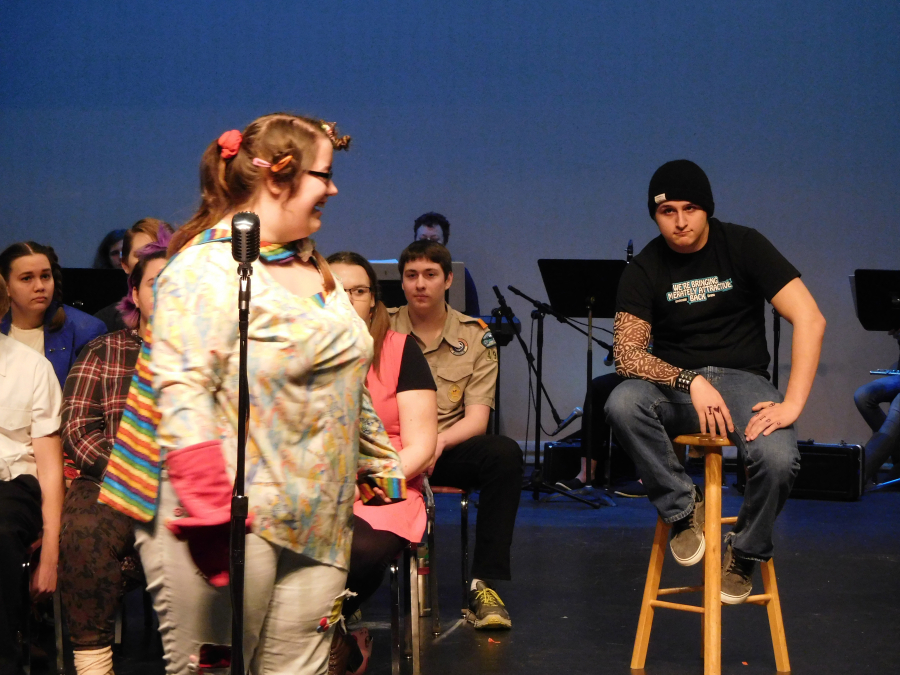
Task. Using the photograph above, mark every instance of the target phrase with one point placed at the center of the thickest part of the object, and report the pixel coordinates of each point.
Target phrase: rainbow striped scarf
(131, 483)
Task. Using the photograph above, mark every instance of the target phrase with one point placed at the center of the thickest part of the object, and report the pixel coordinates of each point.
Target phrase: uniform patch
(460, 349)
(659, 199)
(488, 340)
(491, 354)
(455, 393)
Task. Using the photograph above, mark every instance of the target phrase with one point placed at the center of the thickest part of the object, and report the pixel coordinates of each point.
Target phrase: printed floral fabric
(312, 426)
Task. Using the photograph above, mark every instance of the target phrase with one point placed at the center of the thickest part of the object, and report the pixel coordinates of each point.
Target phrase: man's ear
(448, 281)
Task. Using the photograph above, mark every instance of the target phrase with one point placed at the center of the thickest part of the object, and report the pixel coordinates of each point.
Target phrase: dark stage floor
(579, 575)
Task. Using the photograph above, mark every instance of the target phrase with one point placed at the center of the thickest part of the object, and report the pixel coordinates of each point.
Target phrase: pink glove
(201, 483)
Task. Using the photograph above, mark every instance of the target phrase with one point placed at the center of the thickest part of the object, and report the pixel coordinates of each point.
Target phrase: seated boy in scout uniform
(463, 358)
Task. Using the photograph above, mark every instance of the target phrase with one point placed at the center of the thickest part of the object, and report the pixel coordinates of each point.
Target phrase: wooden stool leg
(776, 624)
(712, 565)
(651, 588)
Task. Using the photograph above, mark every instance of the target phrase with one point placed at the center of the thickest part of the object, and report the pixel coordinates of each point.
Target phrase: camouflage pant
(96, 565)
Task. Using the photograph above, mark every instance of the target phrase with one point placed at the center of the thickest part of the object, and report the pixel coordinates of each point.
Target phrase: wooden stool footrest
(762, 599)
(679, 589)
(730, 520)
(678, 606)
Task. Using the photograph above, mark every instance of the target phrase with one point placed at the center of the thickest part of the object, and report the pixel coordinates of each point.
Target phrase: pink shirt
(406, 519)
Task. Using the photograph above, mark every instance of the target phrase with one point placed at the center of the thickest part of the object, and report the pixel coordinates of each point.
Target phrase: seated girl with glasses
(404, 396)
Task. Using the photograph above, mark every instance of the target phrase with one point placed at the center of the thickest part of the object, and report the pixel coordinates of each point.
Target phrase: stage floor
(578, 578)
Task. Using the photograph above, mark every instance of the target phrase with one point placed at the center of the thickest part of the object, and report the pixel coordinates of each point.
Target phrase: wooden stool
(711, 628)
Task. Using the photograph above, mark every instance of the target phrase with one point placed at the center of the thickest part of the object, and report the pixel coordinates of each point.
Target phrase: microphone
(578, 412)
(608, 359)
(629, 251)
(500, 297)
(245, 237)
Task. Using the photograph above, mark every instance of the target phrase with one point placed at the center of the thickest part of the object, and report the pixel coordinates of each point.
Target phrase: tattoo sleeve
(631, 337)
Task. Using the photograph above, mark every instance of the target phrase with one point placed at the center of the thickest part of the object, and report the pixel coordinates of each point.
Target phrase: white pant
(286, 595)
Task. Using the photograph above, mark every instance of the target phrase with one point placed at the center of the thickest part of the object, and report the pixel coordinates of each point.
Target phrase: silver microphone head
(245, 237)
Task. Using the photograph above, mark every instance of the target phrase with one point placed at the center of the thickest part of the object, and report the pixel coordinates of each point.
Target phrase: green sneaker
(486, 609)
(737, 577)
(687, 541)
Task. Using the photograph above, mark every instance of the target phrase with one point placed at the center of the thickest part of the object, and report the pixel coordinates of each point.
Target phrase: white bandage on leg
(94, 661)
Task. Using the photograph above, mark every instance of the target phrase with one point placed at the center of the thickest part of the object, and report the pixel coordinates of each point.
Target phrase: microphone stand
(239, 502)
(542, 308)
(536, 482)
(506, 312)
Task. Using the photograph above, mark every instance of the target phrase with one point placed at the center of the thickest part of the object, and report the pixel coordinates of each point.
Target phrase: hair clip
(230, 143)
(276, 167)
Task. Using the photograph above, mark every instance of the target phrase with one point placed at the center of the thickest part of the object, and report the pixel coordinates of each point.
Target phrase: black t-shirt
(414, 370)
(707, 308)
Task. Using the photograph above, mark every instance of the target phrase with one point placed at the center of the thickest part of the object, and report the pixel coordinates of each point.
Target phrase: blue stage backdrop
(534, 127)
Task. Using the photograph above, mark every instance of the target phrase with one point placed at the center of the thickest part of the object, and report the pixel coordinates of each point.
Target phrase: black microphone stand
(536, 482)
(506, 311)
(542, 308)
(239, 502)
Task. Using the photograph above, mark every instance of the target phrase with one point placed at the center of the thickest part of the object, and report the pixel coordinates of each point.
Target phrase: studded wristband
(684, 379)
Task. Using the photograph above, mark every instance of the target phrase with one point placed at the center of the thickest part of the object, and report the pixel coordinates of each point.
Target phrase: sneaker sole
(694, 559)
(627, 495)
(490, 622)
(734, 599)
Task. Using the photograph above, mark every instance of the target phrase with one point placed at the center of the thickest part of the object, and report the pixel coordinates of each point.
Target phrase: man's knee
(863, 398)
(779, 460)
(508, 453)
(626, 399)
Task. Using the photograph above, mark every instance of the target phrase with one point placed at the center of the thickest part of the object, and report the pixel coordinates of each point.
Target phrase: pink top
(406, 519)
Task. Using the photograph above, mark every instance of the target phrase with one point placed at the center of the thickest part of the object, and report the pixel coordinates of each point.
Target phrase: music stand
(876, 296)
(91, 290)
(584, 289)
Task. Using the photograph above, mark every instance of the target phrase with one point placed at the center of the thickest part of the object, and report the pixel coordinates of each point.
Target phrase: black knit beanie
(681, 181)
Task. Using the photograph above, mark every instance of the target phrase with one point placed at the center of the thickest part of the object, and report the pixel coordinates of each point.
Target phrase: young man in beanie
(700, 289)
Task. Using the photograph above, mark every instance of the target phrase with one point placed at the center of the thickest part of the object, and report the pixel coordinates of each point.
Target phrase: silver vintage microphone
(245, 237)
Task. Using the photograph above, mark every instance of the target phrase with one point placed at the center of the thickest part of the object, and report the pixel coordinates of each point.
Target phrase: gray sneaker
(687, 542)
(486, 609)
(737, 577)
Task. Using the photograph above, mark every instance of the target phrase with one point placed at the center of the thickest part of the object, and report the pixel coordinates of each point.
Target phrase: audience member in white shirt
(31, 481)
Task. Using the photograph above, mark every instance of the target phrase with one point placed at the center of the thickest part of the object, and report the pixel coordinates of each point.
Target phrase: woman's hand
(711, 409)
(438, 451)
(769, 417)
(44, 583)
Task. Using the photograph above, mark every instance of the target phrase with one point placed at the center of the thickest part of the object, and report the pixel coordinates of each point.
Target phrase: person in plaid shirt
(97, 559)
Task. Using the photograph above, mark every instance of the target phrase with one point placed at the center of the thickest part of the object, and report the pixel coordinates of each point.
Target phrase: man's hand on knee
(714, 416)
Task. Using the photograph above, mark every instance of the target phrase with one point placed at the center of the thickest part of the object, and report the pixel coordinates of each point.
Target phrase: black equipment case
(829, 471)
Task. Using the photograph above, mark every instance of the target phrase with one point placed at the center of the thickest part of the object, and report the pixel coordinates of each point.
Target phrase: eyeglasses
(324, 175)
(359, 292)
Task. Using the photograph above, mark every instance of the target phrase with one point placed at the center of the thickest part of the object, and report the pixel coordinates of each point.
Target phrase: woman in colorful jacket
(313, 435)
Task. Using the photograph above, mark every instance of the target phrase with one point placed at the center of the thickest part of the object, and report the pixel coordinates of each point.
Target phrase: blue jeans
(885, 442)
(645, 416)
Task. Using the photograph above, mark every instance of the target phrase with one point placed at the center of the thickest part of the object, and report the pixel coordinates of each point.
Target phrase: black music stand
(91, 290)
(585, 289)
(876, 296)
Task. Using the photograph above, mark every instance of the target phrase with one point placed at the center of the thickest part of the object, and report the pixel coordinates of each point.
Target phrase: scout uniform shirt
(463, 362)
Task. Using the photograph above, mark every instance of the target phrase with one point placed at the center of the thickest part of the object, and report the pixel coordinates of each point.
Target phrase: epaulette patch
(488, 340)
